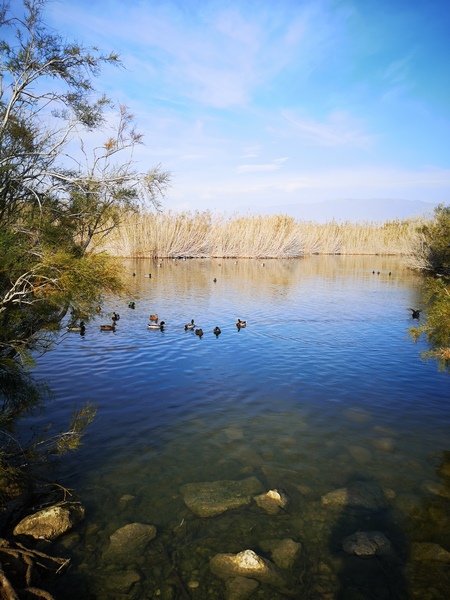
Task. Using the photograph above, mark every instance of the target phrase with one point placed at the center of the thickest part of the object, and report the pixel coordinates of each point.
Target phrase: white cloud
(339, 129)
(275, 165)
(250, 151)
(258, 168)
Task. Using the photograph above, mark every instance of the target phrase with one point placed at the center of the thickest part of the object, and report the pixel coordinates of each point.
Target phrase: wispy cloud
(219, 56)
(339, 129)
(275, 165)
(224, 93)
(257, 168)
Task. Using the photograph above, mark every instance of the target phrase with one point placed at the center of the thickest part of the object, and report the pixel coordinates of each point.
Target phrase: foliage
(61, 192)
(71, 439)
(57, 202)
(436, 328)
(432, 252)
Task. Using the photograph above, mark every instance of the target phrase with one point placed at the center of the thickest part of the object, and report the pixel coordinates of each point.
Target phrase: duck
(215, 280)
(190, 325)
(149, 275)
(199, 332)
(132, 305)
(240, 323)
(81, 328)
(154, 318)
(216, 331)
(108, 327)
(115, 316)
(156, 326)
(415, 312)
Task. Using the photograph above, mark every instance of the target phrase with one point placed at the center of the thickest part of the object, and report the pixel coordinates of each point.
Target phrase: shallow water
(322, 388)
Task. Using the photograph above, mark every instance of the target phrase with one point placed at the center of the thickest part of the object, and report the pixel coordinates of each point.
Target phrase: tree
(433, 253)
(55, 204)
(434, 256)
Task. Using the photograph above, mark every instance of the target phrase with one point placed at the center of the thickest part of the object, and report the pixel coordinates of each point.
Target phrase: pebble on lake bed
(272, 502)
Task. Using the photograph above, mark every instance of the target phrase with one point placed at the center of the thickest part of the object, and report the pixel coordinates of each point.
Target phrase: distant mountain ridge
(353, 210)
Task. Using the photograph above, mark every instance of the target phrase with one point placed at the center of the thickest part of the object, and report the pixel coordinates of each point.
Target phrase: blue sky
(257, 104)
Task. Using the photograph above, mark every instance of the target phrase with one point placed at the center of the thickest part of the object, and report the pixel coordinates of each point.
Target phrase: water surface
(321, 389)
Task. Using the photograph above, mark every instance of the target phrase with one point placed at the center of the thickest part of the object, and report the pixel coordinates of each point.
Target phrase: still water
(322, 389)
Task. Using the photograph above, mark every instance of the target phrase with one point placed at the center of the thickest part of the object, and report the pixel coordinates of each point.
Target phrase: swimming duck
(149, 275)
(415, 312)
(132, 305)
(240, 324)
(115, 316)
(199, 332)
(190, 325)
(154, 318)
(81, 328)
(156, 326)
(217, 331)
(108, 327)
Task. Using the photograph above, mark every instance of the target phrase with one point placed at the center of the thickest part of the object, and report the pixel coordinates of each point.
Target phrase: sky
(256, 105)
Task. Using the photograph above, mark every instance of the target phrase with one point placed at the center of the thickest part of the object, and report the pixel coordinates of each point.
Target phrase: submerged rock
(429, 551)
(433, 487)
(209, 499)
(51, 522)
(284, 552)
(240, 588)
(360, 454)
(367, 543)
(246, 564)
(360, 494)
(272, 502)
(119, 583)
(129, 542)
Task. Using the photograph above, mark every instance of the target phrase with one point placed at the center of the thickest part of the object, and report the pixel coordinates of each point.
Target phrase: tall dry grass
(204, 234)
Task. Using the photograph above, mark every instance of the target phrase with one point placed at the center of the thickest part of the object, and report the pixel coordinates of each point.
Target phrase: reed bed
(204, 234)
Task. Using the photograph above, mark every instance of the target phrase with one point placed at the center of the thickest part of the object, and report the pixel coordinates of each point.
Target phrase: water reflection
(323, 387)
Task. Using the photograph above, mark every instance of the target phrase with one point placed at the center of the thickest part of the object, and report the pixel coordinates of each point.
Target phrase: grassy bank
(168, 234)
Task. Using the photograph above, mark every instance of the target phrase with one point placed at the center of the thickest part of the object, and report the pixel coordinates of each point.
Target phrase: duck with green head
(156, 326)
(81, 328)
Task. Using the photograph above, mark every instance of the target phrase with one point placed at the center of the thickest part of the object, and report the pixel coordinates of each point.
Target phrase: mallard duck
(132, 305)
(154, 318)
(415, 312)
(81, 328)
(240, 323)
(108, 327)
(190, 325)
(115, 316)
(217, 331)
(215, 280)
(156, 326)
(199, 332)
(149, 275)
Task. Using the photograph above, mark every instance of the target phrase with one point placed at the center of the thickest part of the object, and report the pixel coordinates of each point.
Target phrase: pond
(322, 399)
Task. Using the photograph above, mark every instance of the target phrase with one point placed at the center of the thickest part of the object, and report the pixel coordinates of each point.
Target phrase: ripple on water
(321, 388)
